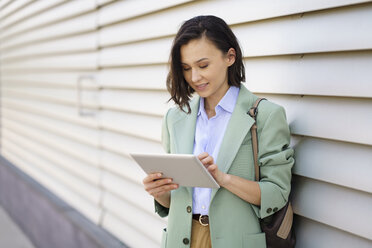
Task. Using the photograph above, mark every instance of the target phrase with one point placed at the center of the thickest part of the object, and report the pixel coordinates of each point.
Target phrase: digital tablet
(184, 169)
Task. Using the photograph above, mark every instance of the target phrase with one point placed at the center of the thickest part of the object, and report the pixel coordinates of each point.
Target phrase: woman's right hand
(159, 188)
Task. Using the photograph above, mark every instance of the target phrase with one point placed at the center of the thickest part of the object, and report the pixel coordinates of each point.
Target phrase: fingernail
(159, 174)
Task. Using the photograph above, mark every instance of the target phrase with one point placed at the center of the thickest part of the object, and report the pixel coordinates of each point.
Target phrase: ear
(230, 56)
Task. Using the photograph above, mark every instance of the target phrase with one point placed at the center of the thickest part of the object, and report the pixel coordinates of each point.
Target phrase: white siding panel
(63, 96)
(146, 102)
(83, 61)
(127, 233)
(147, 52)
(139, 77)
(29, 10)
(85, 190)
(142, 221)
(77, 168)
(333, 204)
(68, 130)
(168, 21)
(80, 43)
(328, 74)
(122, 166)
(57, 111)
(44, 79)
(121, 10)
(79, 24)
(123, 144)
(312, 234)
(129, 191)
(139, 125)
(330, 118)
(61, 12)
(13, 7)
(320, 159)
(90, 210)
(322, 31)
(82, 152)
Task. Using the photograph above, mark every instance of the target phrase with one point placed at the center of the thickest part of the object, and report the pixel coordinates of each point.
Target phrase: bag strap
(253, 113)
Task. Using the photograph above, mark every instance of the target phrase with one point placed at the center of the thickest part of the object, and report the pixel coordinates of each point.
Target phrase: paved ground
(10, 234)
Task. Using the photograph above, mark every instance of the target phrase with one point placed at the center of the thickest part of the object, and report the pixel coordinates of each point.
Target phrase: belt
(203, 219)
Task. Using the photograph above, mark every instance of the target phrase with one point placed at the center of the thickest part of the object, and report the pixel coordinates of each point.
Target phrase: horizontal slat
(61, 12)
(326, 117)
(147, 102)
(67, 130)
(82, 61)
(236, 12)
(45, 79)
(57, 111)
(127, 233)
(13, 8)
(89, 98)
(320, 159)
(344, 29)
(128, 191)
(5, 4)
(148, 127)
(82, 152)
(331, 74)
(29, 10)
(123, 144)
(85, 171)
(310, 234)
(83, 189)
(142, 221)
(122, 166)
(145, 77)
(286, 35)
(91, 211)
(332, 204)
(80, 43)
(147, 52)
(77, 25)
(121, 10)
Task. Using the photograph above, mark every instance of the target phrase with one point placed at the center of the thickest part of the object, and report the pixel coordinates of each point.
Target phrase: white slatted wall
(107, 60)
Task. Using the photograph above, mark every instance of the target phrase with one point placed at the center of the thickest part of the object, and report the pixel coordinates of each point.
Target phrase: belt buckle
(201, 220)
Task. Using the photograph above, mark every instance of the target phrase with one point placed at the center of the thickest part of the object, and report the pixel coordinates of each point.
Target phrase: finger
(151, 177)
(156, 184)
(203, 155)
(208, 160)
(212, 168)
(163, 189)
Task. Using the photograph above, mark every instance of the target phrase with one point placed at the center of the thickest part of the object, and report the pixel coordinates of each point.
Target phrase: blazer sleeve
(275, 161)
(165, 139)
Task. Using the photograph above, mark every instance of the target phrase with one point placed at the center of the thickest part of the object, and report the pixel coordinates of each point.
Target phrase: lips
(201, 87)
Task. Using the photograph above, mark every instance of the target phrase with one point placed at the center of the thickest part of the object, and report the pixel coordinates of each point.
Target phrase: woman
(214, 125)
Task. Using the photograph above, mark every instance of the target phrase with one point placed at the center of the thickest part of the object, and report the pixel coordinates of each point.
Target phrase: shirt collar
(227, 102)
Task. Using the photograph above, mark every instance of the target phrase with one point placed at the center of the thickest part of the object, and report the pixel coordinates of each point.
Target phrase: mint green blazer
(233, 221)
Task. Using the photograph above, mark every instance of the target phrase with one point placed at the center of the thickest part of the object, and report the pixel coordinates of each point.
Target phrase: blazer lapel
(239, 125)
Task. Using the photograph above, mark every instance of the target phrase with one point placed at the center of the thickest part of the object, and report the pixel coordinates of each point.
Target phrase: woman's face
(205, 68)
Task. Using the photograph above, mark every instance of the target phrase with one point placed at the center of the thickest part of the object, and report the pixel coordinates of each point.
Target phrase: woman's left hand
(208, 162)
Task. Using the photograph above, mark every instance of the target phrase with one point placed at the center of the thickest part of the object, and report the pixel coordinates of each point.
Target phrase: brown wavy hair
(219, 33)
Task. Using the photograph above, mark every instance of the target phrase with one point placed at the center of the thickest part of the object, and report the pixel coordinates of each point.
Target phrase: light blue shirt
(208, 138)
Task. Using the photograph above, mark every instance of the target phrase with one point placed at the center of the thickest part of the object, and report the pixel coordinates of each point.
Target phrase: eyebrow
(196, 61)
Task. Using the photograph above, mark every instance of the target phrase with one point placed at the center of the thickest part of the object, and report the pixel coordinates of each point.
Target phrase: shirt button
(269, 210)
(186, 241)
(275, 209)
(188, 209)
(203, 207)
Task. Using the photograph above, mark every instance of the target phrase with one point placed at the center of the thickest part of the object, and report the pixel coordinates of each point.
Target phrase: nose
(195, 77)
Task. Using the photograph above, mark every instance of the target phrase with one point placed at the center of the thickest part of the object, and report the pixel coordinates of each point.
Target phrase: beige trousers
(200, 236)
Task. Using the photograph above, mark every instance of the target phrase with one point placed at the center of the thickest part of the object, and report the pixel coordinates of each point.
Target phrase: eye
(185, 68)
(203, 66)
